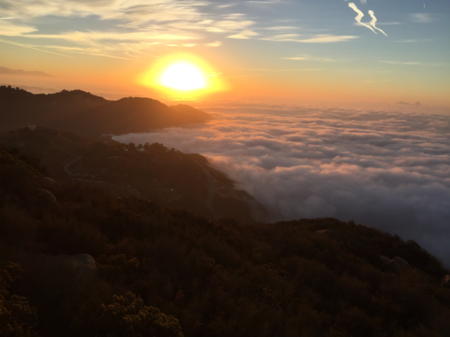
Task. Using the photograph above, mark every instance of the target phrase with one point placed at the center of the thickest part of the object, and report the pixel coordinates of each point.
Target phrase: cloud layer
(389, 170)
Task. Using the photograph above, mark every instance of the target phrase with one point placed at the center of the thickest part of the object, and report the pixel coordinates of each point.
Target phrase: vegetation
(151, 171)
(81, 112)
(167, 272)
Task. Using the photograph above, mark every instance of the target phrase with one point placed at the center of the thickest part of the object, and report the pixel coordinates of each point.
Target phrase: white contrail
(360, 16)
(374, 21)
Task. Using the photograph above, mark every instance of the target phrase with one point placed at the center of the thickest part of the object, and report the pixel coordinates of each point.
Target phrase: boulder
(446, 281)
(392, 265)
(84, 267)
(395, 263)
(402, 262)
(49, 182)
(385, 259)
(323, 231)
(413, 244)
(46, 197)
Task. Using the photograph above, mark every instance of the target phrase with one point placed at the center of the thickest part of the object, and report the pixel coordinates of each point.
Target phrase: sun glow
(183, 76)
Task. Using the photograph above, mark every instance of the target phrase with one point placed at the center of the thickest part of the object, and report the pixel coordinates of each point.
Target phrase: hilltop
(150, 171)
(78, 260)
(90, 115)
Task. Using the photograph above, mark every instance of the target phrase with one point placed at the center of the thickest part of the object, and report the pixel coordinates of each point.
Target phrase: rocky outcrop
(323, 231)
(402, 262)
(84, 267)
(49, 182)
(46, 197)
(84, 261)
(446, 281)
(395, 263)
(413, 244)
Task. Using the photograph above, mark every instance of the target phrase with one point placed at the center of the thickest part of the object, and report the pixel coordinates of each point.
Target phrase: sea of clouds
(384, 169)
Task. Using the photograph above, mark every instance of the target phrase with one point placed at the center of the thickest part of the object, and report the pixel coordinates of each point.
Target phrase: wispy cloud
(281, 28)
(309, 58)
(374, 21)
(412, 63)
(8, 28)
(372, 25)
(168, 21)
(32, 47)
(282, 37)
(295, 58)
(392, 23)
(327, 38)
(214, 44)
(245, 34)
(421, 17)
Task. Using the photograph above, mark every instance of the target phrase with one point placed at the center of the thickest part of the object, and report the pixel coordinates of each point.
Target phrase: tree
(127, 316)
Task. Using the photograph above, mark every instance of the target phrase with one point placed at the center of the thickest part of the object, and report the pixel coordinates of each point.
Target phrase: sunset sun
(183, 76)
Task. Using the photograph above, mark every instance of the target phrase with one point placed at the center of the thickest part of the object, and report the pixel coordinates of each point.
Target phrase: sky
(277, 50)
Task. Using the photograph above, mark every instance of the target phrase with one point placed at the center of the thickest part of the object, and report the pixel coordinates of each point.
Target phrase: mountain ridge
(90, 115)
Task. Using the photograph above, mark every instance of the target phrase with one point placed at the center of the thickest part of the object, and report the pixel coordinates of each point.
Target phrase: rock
(395, 263)
(84, 261)
(446, 281)
(49, 182)
(413, 244)
(402, 262)
(85, 267)
(46, 197)
(385, 259)
(323, 231)
(392, 265)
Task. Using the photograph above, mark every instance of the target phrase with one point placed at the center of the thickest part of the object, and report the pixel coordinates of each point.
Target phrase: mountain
(152, 171)
(79, 261)
(90, 115)
(132, 115)
(406, 103)
(7, 71)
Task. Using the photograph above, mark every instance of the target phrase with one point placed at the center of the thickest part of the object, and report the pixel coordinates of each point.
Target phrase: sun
(183, 76)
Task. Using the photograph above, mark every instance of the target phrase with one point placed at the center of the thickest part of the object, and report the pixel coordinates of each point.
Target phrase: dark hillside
(132, 115)
(154, 271)
(167, 176)
(20, 107)
(90, 115)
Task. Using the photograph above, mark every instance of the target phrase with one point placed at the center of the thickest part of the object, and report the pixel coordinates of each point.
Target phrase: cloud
(360, 16)
(169, 21)
(374, 21)
(309, 58)
(421, 17)
(8, 28)
(372, 24)
(245, 34)
(391, 23)
(296, 58)
(32, 47)
(384, 169)
(327, 38)
(281, 28)
(411, 63)
(282, 37)
(214, 44)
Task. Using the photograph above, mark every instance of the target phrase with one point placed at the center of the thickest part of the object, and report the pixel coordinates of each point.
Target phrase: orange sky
(272, 51)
